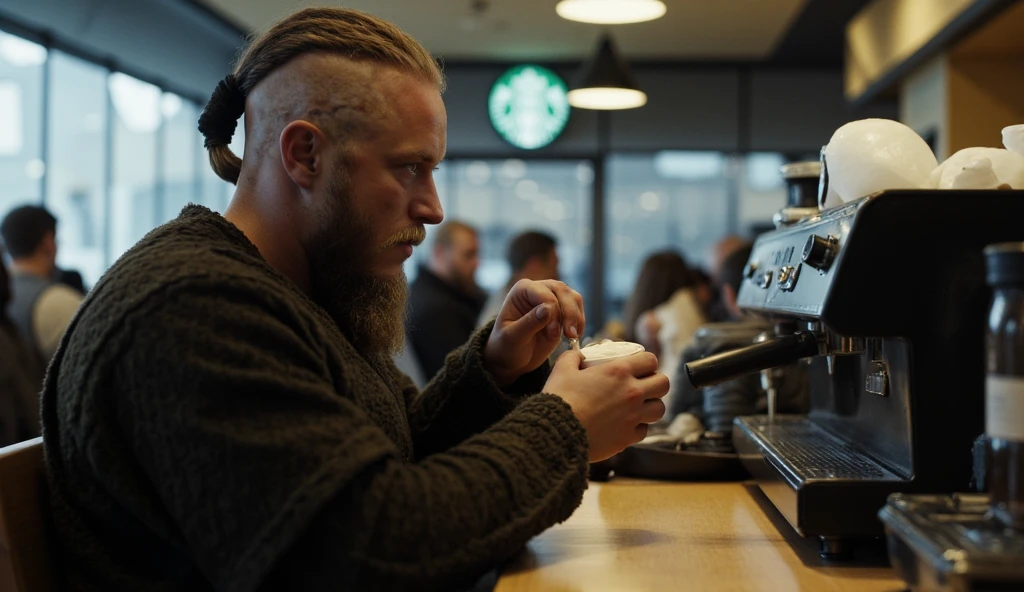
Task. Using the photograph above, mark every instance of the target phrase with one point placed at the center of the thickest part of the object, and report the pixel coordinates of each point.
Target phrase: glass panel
(76, 182)
(21, 119)
(502, 198)
(670, 200)
(181, 144)
(762, 191)
(133, 194)
(682, 201)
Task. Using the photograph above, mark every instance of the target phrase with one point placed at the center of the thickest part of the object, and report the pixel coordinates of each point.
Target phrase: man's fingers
(569, 358)
(642, 364)
(652, 410)
(528, 325)
(654, 386)
(570, 304)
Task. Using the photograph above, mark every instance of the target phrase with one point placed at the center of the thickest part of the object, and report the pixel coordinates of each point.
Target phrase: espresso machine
(884, 298)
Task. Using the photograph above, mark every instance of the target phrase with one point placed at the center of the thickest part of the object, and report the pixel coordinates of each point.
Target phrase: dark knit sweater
(207, 426)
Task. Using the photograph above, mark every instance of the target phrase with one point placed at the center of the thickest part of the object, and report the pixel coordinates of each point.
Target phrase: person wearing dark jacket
(223, 413)
(444, 299)
(21, 375)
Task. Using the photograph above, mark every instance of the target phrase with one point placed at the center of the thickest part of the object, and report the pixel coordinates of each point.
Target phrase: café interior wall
(167, 42)
(694, 107)
(728, 109)
(924, 105)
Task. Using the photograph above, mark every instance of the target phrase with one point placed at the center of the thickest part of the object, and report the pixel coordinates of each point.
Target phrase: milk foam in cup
(606, 351)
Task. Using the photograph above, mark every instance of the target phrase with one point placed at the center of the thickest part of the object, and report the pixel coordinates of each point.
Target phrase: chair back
(26, 563)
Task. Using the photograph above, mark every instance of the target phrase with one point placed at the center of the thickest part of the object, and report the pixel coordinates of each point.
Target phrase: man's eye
(413, 168)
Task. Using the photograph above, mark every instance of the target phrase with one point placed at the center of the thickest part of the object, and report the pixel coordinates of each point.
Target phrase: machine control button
(765, 280)
(787, 277)
(819, 252)
(750, 270)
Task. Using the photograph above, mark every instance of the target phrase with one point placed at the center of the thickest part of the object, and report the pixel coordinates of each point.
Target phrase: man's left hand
(529, 327)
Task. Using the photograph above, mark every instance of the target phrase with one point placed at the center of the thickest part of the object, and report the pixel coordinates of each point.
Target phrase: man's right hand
(614, 401)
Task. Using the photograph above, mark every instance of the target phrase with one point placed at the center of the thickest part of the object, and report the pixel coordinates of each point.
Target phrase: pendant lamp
(606, 83)
(610, 12)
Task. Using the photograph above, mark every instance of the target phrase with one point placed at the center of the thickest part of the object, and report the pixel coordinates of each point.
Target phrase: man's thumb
(569, 358)
(530, 323)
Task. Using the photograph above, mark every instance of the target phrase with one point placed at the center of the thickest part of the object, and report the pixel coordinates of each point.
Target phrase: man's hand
(529, 327)
(614, 401)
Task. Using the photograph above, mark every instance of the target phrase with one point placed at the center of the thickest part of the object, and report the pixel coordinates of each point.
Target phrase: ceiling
(693, 30)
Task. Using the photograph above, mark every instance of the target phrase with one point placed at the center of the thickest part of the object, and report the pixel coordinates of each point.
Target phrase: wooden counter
(647, 535)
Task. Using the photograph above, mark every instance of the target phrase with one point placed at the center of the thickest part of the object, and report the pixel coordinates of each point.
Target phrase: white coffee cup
(596, 354)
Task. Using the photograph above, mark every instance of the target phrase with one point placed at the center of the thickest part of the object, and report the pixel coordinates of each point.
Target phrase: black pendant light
(606, 82)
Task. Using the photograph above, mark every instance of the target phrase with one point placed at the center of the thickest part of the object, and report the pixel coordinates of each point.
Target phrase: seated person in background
(716, 406)
(21, 376)
(224, 413)
(41, 307)
(444, 300)
(531, 255)
(704, 289)
(664, 312)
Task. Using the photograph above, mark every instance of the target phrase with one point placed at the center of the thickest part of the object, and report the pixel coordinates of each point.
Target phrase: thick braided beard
(369, 309)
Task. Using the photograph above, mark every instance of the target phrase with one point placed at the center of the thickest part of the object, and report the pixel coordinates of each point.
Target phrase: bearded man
(223, 413)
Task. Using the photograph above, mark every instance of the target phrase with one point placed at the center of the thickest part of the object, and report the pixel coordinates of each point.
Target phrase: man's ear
(303, 152)
(50, 243)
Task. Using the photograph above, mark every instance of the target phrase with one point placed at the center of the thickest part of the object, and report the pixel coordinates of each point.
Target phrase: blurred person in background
(41, 307)
(444, 299)
(21, 376)
(716, 308)
(531, 255)
(716, 406)
(224, 412)
(664, 311)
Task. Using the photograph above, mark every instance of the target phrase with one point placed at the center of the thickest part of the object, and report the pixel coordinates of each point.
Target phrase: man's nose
(426, 207)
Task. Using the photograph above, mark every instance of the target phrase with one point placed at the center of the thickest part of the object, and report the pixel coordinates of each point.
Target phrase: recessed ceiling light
(610, 12)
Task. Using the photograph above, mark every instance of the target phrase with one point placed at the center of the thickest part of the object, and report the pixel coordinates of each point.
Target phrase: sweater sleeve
(277, 478)
(463, 399)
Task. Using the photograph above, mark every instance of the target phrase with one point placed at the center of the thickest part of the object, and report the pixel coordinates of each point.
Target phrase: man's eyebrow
(418, 155)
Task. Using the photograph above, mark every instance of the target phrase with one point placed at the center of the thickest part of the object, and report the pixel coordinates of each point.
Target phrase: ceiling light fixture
(610, 12)
(606, 82)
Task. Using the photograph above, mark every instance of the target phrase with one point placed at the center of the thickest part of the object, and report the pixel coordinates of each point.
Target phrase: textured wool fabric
(207, 426)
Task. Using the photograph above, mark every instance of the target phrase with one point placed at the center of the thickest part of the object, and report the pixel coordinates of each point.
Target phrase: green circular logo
(528, 106)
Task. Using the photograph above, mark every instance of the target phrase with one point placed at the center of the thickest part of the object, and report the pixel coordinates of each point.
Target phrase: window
(181, 145)
(133, 191)
(76, 158)
(682, 201)
(502, 198)
(21, 118)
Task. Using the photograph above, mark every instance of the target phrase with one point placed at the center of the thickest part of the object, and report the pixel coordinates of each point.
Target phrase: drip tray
(821, 484)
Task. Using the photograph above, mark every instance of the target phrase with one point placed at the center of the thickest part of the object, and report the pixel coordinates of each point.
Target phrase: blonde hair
(351, 33)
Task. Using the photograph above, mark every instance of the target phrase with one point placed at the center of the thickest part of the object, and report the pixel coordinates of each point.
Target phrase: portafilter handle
(778, 351)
